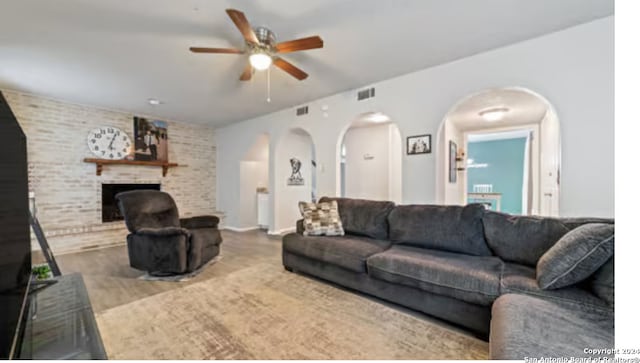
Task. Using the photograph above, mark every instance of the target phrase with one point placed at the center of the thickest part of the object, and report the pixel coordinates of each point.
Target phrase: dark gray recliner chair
(159, 241)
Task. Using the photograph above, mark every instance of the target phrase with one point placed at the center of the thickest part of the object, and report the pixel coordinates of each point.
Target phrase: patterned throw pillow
(321, 219)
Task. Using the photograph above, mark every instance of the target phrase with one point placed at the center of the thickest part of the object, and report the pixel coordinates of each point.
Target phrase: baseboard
(238, 229)
(280, 232)
(38, 257)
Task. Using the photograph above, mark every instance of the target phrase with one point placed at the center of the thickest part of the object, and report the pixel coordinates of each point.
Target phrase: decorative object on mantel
(151, 140)
(419, 144)
(109, 143)
(101, 162)
(296, 176)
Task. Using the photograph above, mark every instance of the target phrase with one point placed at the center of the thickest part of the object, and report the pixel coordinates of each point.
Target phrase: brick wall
(67, 190)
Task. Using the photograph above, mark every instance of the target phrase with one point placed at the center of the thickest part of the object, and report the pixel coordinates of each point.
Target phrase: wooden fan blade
(290, 68)
(248, 72)
(243, 25)
(300, 44)
(216, 50)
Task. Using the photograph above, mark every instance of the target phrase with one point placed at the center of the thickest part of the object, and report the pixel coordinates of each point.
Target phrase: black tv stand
(60, 322)
(39, 285)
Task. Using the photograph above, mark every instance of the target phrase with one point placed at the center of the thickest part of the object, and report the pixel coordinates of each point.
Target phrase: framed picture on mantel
(151, 140)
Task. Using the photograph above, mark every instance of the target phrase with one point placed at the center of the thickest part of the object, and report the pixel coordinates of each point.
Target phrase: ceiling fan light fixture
(260, 61)
(493, 114)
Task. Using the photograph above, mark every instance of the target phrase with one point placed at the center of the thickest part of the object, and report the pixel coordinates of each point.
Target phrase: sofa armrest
(163, 232)
(200, 222)
(300, 226)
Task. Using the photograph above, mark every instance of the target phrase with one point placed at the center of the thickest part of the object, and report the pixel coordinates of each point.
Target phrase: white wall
(550, 154)
(295, 144)
(366, 178)
(396, 149)
(380, 177)
(572, 68)
(68, 191)
(254, 173)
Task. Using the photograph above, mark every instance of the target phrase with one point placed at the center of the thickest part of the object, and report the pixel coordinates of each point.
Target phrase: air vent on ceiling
(302, 111)
(367, 93)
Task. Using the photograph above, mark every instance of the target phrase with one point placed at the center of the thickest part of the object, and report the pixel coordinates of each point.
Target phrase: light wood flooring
(112, 282)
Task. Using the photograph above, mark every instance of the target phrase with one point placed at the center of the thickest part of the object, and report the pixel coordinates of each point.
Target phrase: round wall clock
(109, 143)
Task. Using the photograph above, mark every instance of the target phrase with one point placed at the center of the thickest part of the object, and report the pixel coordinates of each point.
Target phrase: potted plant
(42, 272)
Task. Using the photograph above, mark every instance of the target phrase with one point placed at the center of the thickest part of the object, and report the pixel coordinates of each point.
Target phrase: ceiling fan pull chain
(269, 85)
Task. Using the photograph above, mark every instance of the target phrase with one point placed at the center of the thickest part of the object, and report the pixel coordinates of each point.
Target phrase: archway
(370, 159)
(514, 136)
(254, 185)
(295, 177)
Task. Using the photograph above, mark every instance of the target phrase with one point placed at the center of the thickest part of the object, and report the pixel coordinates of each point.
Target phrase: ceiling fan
(262, 48)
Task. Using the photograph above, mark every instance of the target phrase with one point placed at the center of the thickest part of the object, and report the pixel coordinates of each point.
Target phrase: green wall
(505, 168)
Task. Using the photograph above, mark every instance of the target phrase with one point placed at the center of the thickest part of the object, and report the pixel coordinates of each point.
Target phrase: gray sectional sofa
(468, 266)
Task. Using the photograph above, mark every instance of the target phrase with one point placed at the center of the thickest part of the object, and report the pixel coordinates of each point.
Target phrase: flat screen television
(15, 243)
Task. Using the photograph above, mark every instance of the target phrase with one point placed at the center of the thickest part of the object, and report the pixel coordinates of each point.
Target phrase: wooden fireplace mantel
(101, 162)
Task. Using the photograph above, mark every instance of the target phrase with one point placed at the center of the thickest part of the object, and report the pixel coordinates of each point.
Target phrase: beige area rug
(264, 312)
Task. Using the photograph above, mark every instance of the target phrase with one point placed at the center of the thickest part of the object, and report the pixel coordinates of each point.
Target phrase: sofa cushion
(321, 219)
(147, 209)
(576, 256)
(601, 282)
(204, 245)
(363, 217)
(348, 252)
(521, 279)
(472, 279)
(526, 326)
(447, 228)
(521, 239)
(575, 222)
(200, 222)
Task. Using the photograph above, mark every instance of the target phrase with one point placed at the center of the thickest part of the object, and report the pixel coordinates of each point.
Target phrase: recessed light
(154, 101)
(493, 114)
(378, 117)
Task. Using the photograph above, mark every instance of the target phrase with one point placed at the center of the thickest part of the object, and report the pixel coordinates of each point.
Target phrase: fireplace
(110, 211)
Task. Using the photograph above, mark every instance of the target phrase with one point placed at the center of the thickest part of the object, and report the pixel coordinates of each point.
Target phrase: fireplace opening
(110, 211)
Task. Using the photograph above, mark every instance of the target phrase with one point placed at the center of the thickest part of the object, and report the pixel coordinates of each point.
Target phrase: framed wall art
(453, 165)
(151, 139)
(419, 144)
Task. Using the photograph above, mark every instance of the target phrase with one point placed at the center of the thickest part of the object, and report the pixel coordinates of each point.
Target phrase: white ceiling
(524, 108)
(119, 53)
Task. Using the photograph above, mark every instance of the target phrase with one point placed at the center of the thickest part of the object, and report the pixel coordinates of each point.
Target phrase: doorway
(498, 169)
(296, 177)
(371, 159)
(254, 185)
(508, 153)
